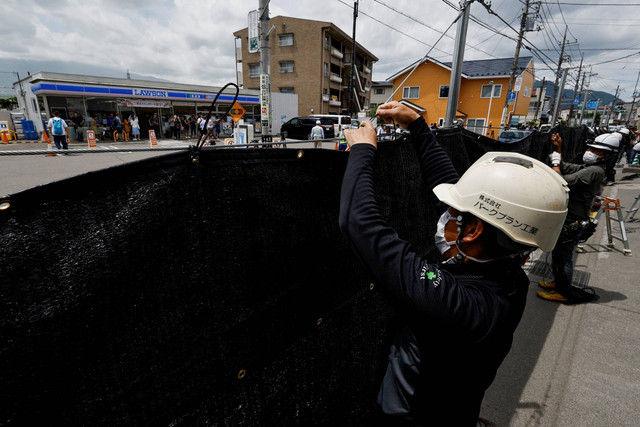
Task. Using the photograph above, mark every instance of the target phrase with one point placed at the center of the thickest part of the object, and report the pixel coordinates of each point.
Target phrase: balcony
(335, 78)
(335, 52)
(335, 103)
(366, 70)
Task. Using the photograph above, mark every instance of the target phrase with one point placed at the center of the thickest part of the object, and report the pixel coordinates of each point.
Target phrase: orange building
(479, 110)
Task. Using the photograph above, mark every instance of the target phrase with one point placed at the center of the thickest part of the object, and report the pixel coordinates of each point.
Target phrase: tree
(596, 122)
(9, 103)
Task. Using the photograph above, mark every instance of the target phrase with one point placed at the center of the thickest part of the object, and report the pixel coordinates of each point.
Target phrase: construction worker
(458, 317)
(317, 133)
(585, 181)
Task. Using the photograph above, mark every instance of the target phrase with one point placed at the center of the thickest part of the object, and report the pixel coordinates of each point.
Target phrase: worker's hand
(556, 140)
(400, 113)
(365, 134)
(555, 158)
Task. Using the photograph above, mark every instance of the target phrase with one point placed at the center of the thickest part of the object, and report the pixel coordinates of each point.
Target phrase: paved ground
(578, 365)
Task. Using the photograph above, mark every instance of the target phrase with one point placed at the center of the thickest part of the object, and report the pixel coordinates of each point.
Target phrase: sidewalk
(578, 365)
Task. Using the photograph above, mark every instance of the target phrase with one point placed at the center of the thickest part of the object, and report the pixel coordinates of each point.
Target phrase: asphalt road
(19, 172)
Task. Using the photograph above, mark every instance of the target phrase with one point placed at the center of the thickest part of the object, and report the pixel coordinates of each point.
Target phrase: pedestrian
(193, 127)
(585, 182)
(58, 128)
(185, 127)
(118, 126)
(216, 129)
(134, 121)
(201, 125)
(456, 318)
(625, 145)
(317, 134)
(154, 125)
(110, 120)
(95, 128)
(78, 122)
(172, 126)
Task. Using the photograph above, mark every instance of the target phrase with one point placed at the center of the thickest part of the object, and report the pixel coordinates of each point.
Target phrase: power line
(617, 59)
(591, 4)
(431, 28)
(395, 29)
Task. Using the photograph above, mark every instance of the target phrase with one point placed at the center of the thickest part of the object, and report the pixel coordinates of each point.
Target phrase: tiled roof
(492, 67)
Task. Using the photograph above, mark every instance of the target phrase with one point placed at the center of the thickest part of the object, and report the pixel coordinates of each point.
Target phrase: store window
(286, 39)
(286, 67)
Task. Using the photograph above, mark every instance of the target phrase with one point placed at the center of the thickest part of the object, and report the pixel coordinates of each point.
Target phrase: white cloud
(191, 41)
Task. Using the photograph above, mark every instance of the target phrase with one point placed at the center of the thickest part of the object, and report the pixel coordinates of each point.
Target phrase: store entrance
(144, 114)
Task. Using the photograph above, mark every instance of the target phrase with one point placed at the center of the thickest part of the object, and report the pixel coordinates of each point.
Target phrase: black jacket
(458, 320)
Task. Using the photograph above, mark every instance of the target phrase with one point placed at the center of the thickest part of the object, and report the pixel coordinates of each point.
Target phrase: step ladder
(607, 205)
(632, 212)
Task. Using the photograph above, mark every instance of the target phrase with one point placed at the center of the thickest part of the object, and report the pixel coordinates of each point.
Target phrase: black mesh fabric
(218, 293)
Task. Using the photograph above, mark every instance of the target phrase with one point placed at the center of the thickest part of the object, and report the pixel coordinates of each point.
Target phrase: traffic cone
(5, 140)
(46, 139)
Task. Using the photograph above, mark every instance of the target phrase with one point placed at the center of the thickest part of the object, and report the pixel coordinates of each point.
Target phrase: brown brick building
(313, 60)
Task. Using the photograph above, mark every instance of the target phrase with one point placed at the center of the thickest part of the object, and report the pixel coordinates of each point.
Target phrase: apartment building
(313, 60)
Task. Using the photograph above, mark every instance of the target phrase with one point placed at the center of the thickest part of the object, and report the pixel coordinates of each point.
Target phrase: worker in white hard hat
(585, 182)
(457, 317)
(625, 145)
(317, 134)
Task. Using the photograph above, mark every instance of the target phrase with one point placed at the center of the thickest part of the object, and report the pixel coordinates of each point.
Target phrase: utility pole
(352, 86)
(615, 97)
(456, 66)
(595, 113)
(556, 107)
(265, 68)
(583, 94)
(523, 23)
(540, 99)
(555, 83)
(575, 91)
(633, 103)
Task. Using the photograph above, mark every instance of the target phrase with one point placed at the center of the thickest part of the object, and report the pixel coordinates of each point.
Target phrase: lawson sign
(150, 93)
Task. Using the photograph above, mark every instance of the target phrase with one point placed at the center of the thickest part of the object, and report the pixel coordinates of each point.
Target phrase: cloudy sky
(191, 41)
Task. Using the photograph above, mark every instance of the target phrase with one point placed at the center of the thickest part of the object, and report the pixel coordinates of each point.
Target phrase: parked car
(300, 127)
(512, 135)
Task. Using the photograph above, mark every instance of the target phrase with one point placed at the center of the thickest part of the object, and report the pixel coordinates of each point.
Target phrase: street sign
(91, 139)
(518, 85)
(591, 105)
(511, 96)
(237, 111)
(153, 140)
(576, 101)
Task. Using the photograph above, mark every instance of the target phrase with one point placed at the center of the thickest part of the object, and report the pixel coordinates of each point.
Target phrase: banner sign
(254, 39)
(264, 99)
(152, 104)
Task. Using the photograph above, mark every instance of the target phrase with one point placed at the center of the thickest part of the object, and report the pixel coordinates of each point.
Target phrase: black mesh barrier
(216, 293)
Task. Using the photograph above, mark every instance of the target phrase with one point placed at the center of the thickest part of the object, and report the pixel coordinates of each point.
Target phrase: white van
(341, 120)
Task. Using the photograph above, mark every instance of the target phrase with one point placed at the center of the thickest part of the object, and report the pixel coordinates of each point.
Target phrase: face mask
(441, 241)
(590, 158)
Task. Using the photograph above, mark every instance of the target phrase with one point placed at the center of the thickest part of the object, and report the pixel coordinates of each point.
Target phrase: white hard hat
(317, 122)
(607, 141)
(521, 196)
(624, 131)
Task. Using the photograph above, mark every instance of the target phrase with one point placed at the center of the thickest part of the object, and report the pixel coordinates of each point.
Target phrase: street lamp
(489, 110)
